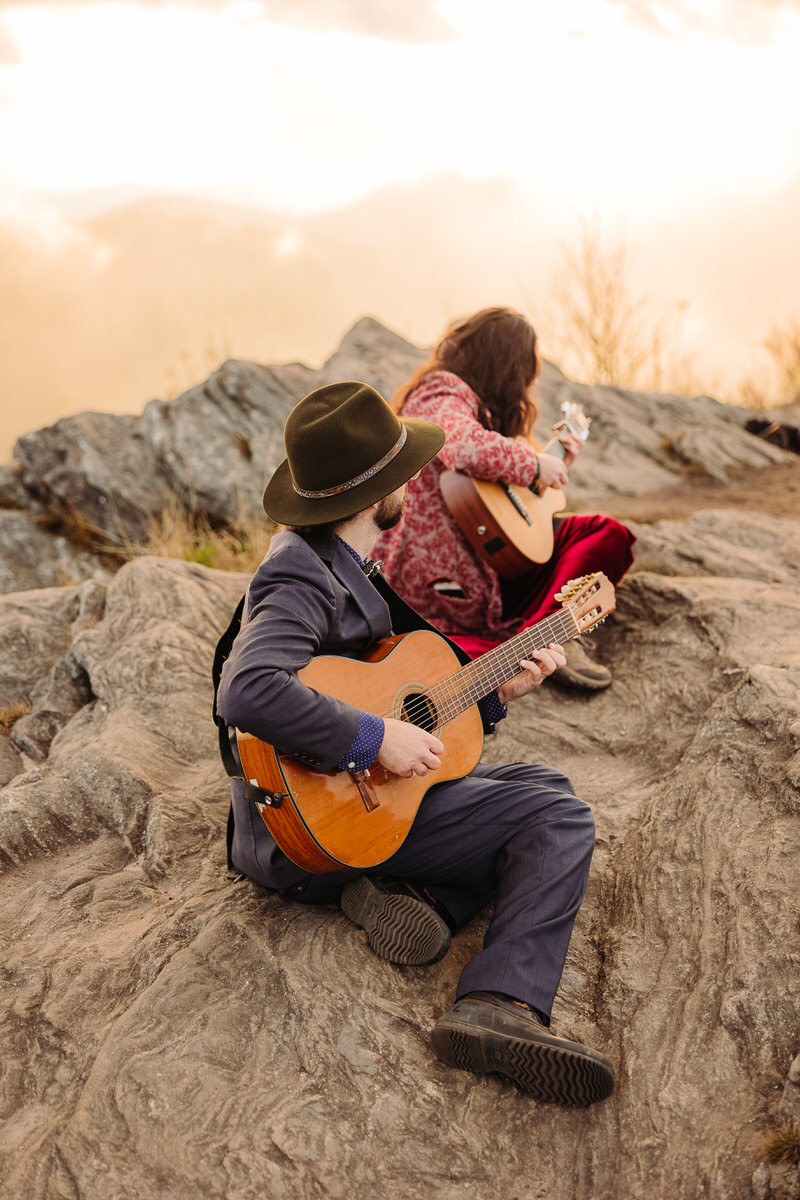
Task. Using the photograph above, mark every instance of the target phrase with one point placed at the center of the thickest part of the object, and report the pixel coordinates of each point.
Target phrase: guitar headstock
(574, 420)
(588, 600)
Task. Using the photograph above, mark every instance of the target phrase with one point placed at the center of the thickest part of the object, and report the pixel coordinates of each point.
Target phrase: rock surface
(169, 1029)
(33, 557)
(213, 448)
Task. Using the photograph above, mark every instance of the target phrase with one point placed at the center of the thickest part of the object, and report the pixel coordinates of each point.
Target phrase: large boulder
(643, 442)
(170, 1029)
(746, 545)
(211, 450)
(37, 556)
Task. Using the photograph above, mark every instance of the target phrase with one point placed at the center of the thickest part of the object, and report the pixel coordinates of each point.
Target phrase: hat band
(362, 478)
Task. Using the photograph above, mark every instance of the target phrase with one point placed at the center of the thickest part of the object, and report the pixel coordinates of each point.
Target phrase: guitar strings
(449, 696)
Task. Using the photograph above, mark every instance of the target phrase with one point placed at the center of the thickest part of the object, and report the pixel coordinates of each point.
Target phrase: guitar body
(510, 541)
(509, 526)
(331, 820)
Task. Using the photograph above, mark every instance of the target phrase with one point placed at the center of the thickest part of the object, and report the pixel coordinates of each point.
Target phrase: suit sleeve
(288, 618)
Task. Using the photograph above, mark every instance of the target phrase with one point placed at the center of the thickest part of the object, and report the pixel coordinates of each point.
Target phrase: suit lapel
(370, 604)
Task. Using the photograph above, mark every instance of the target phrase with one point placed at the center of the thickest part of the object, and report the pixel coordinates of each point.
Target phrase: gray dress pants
(512, 833)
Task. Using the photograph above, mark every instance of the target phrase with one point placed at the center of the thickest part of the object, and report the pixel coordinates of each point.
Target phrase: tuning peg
(571, 587)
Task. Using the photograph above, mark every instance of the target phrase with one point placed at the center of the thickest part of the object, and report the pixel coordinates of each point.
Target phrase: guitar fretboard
(457, 692)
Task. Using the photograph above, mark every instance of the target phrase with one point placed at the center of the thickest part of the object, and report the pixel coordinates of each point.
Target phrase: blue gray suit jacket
(308, 597)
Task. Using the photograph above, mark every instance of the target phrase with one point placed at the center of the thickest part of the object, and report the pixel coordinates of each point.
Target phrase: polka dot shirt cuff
(365, 745)
(495, 710)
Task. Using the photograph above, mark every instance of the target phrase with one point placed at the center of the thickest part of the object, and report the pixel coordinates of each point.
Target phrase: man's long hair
(494, 352)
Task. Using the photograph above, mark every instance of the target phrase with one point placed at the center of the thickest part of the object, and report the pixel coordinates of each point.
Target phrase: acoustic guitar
(331, 820)
(511, 527)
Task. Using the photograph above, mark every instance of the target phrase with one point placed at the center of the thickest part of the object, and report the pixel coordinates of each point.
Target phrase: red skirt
(584, 543)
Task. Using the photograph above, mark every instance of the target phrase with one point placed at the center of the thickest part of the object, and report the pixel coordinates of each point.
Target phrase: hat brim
(284, 506)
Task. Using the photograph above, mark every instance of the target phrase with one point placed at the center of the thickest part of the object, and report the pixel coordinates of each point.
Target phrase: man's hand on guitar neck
(534, 672)
(408, 750)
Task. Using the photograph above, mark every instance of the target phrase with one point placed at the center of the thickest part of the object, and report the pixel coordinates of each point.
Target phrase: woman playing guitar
(479, 386)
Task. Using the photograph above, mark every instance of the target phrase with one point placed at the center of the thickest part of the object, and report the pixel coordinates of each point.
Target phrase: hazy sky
(305, 104)
(646, 115)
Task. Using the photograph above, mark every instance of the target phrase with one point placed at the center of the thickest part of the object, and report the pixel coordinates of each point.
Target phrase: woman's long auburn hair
(494, 352)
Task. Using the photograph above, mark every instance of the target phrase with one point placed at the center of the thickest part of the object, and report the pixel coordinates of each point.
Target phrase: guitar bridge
(365, 790)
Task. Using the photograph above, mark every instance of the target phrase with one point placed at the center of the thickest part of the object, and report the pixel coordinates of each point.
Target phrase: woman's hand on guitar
(552, 471)
(571, 444)
(407, 750)
(535, 670)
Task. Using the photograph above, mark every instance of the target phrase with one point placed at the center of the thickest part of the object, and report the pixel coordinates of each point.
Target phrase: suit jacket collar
(372, 606)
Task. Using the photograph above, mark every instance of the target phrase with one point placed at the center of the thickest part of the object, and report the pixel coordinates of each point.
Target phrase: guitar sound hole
(418, 710)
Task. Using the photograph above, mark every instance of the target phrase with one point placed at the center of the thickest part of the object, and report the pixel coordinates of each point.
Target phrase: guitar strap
(224, 646)
(232, 768)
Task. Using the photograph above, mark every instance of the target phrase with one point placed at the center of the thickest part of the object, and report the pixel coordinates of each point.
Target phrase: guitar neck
(575, 423)
(462, 689)
(554, 447)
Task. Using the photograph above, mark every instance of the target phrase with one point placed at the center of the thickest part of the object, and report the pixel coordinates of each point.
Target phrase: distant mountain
(108, 307)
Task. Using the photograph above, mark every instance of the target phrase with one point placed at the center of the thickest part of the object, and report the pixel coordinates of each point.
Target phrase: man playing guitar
(514, 834)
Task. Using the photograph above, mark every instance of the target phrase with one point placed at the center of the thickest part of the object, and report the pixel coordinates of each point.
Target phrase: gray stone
(211, 450)
(35, 632)
(13, 494)
(747, 545)
(34, 557)
(55, 700)
(376, 354)
(178, 1031)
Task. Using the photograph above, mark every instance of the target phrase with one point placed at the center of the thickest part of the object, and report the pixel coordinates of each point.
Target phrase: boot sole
(400, 928)
(555, 1074)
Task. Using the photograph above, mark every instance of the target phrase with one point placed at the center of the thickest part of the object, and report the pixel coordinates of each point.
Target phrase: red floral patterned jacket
(426, 557)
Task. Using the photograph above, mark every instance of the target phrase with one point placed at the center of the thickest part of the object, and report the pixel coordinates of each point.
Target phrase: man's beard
(389, 512)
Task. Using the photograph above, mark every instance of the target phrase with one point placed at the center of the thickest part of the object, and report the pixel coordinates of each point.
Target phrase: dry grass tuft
(783, 1145)
(598, 330)
(779, 384)
(603, 333)
(83, 534)
(178, 533)
(12, 713)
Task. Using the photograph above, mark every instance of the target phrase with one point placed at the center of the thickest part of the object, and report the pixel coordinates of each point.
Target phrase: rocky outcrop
(34, 556)
(169, 1029)
(643, 442)
(725, 543)
(212, 449)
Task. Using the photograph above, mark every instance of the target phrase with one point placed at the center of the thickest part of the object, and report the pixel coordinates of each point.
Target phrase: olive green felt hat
(345, 449)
